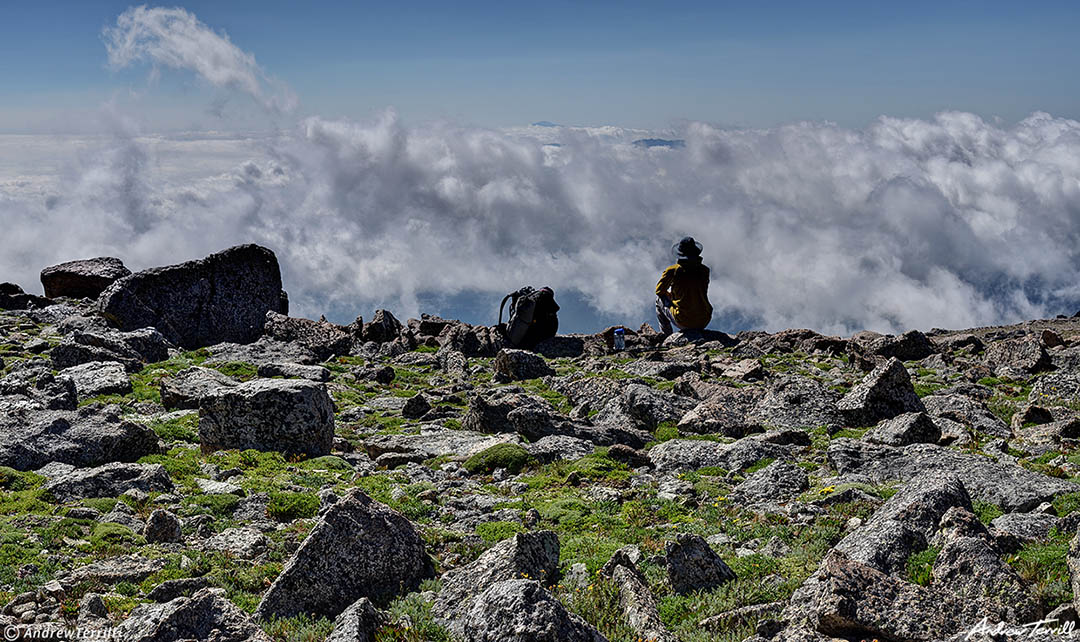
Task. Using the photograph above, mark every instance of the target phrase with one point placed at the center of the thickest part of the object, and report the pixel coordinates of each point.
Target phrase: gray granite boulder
(90, 436)
(905, 429)
(221, 298)
(134, 349)
(322, 338)
(99, 378)
(286, 415)
(1026, 354)
(883, 394)
(519, 610)
(359, 548)
(110, 480)
(532, 555)
(86, 278)
(162, 526)
(187, 387)
(516, 365)
(1010, 486)
(206, 615)
(778, 482)
(358, 623)
(692, 565)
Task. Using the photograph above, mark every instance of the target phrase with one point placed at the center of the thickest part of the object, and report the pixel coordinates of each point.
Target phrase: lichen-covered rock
(905, 429)
(1010, 486)
(519, 610)
(779, 481)
(516, 365)
(643, 407)
(90, 436)
(532, 555)
(86, 278)
(206, 615)
(322, 338)
(969, 412)
(98, 378)
(162, 526)
(691, 454)
(1026, 354)
(796, 402)
(905, 523)
(639, 607)
(223, 297)
(134, 349)
(243, 543)
(883, 394)
(286, 415)
(187, 387)
(358, 623)
(110, 480)
(294, 371)
(359, 548)
(692, 565)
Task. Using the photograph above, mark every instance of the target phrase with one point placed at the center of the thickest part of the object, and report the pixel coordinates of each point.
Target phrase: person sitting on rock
(682, 294)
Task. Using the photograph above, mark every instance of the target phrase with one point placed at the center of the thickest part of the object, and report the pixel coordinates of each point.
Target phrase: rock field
(181, 460)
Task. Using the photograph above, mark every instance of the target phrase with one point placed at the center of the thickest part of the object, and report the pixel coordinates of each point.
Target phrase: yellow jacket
(687, 285)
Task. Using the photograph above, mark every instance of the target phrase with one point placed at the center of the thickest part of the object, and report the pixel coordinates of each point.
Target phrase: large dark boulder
(222, 298)
(12, 297)
(82, 279)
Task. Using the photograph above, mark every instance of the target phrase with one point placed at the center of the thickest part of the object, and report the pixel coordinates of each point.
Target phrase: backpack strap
(505, 299)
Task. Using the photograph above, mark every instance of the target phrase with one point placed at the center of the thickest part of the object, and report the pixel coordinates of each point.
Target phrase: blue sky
(630, 64)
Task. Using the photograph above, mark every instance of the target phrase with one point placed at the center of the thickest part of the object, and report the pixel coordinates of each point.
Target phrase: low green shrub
(512, 457)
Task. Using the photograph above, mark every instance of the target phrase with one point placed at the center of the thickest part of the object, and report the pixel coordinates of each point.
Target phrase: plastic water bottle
(620, 339)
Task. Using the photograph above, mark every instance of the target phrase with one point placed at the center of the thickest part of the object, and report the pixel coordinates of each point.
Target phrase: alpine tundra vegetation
(180, 459)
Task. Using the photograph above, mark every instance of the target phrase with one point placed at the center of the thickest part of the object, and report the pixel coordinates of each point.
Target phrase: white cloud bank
(952, 222)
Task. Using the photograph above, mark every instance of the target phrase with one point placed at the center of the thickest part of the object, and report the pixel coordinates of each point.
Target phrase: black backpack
(533, 317)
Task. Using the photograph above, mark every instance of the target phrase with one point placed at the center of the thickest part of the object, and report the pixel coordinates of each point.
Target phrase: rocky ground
(168, 472)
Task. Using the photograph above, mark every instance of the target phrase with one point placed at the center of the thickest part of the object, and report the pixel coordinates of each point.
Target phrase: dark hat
(687, 248)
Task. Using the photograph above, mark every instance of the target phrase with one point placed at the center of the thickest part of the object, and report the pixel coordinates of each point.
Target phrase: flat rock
(691, 454)
(86, 278)
(436, 441)
(187, 387)
(125, 568)
(134, 348)
(89, 436)
(99, 378)
(206, 615)
(1010, 486)
(294, 371)
(245, 543)
(110, 480)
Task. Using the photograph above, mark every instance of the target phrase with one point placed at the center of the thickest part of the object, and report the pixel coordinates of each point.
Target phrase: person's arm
(663, 287)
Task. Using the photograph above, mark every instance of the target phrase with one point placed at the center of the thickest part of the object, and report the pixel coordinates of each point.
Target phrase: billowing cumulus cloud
(949, 222)
(175, 38)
